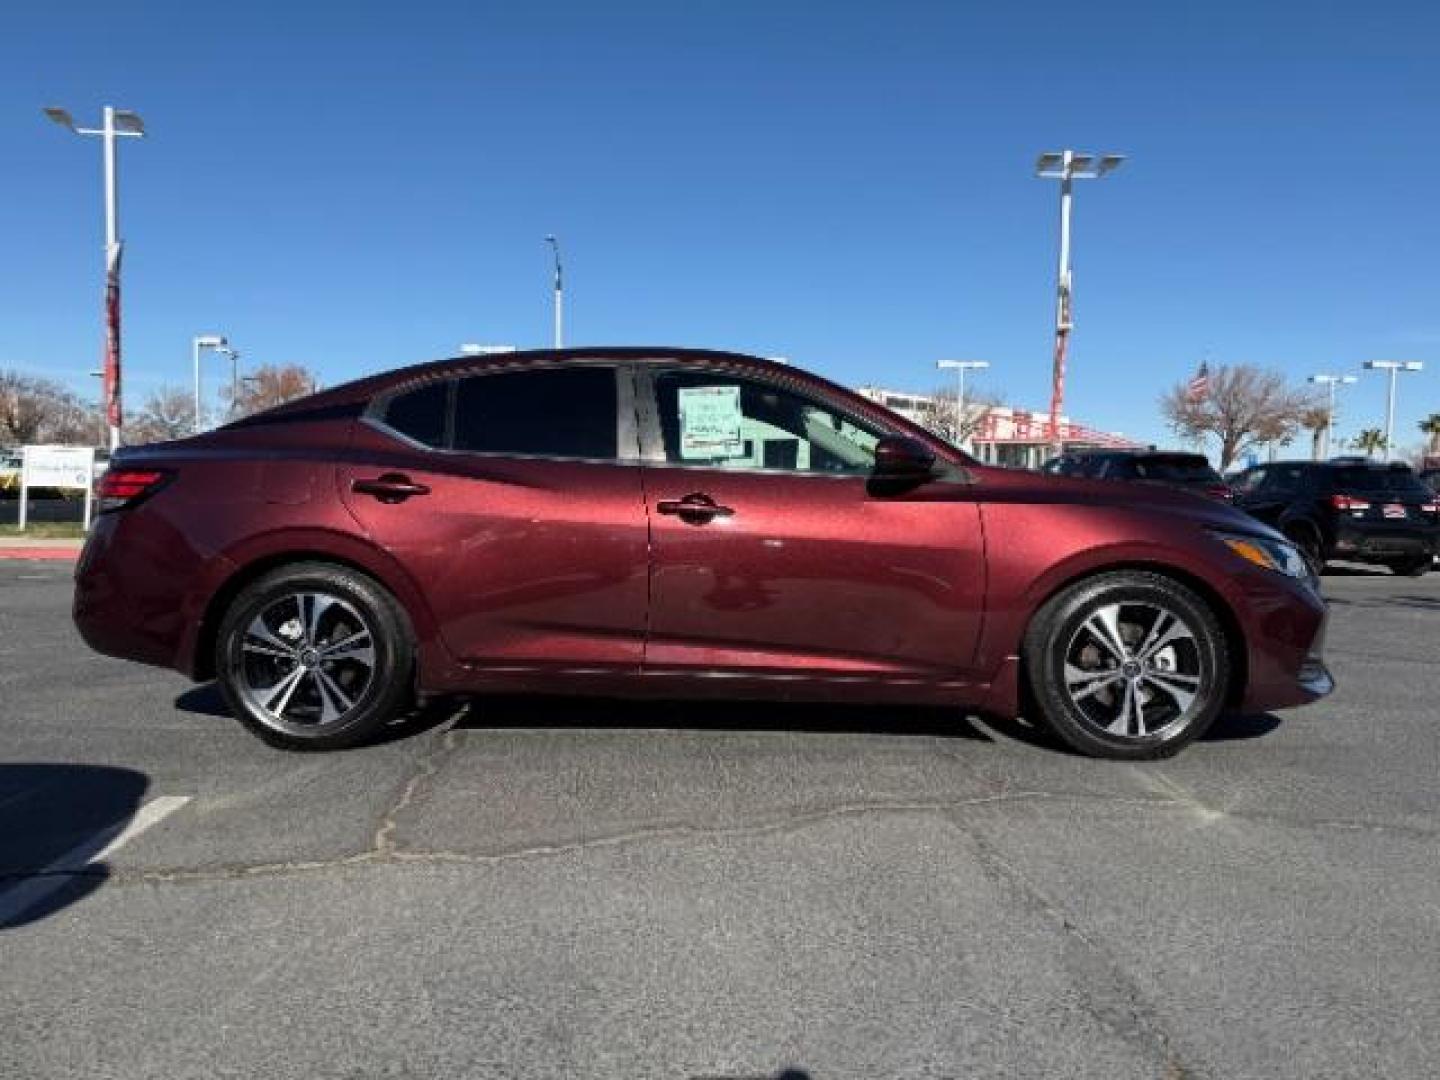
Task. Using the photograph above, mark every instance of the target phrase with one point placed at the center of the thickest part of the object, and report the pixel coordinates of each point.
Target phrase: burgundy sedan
(676, 523)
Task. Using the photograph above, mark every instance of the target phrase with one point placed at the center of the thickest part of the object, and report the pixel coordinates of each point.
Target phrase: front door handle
(697, 506)
(390, 488)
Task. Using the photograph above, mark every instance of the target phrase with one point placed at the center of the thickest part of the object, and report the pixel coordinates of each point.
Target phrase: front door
(776, 557)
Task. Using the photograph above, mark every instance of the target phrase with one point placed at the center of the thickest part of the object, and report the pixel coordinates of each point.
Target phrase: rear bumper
(1377, 541)
(135, 606)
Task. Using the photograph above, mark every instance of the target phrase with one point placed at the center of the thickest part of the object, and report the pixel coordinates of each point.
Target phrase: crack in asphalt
(1100, 980)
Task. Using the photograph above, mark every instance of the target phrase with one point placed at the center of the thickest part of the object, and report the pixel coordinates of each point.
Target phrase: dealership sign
(63, 468)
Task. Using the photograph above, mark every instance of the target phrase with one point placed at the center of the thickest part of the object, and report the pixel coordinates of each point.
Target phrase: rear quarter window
(420, 414)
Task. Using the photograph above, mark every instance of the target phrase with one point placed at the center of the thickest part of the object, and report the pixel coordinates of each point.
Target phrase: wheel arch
(1236, 644)
(249, 569)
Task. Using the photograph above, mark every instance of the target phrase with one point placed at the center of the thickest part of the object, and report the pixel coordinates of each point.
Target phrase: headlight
(1279, 555)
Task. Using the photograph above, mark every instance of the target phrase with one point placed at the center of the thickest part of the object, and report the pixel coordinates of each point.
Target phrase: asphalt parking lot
(554, 889)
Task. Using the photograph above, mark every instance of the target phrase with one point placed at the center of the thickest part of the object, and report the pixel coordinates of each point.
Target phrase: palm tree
(1431, 428)
(1371, 440)
(1315, 420)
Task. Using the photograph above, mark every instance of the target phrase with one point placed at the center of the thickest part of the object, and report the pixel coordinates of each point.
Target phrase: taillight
(1348, 502)
(1220, 491)
(1430, 508)
(120, 488)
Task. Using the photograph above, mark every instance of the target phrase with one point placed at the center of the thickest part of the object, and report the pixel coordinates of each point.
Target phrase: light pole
(203, 341)
(559, 294)
(115, 123)
(1394, 367)
(960, 367)
(1330, 382)
(234, 355)
(1067, 166)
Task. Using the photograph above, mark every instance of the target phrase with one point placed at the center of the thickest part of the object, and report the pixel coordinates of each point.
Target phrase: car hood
(1163, 501)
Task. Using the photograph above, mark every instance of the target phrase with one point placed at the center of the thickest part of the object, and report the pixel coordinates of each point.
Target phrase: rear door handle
(696, 505)
(390, 488)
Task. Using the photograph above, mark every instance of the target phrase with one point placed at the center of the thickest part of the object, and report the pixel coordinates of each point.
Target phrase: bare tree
(168, 413)
(270, 385)
(939, 415)
(35, 410)
(1244, 406)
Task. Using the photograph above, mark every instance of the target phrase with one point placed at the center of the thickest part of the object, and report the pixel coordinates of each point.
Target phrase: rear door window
(564, 412)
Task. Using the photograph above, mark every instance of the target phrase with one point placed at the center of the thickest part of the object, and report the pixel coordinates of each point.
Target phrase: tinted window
(420, 413)
(727, 422)
(1381, 480)
(1285, 479)
(560, 412)
(1176, 469)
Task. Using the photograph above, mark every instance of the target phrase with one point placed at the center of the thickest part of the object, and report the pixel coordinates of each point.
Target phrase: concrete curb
(23, 547)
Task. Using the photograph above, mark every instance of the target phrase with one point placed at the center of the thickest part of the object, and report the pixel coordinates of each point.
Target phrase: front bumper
(1285, 655)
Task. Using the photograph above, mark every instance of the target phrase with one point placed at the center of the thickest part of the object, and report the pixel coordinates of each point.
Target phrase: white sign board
(710, 420)
(66, 468)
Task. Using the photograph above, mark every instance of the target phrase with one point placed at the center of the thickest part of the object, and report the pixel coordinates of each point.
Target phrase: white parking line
(93, 849)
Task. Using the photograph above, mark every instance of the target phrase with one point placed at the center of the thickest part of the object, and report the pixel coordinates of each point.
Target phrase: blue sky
(357, 186)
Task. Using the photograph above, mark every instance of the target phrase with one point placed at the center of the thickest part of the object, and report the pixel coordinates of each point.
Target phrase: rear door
(513, 497)
(775, 558)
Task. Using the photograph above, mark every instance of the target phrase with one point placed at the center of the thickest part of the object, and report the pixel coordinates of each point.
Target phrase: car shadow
(564, 712)
(507, 711)
(54, 820)
(510, 711)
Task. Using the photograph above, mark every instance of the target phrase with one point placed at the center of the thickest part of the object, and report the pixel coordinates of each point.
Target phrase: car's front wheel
(1127, 665)
(315, 656)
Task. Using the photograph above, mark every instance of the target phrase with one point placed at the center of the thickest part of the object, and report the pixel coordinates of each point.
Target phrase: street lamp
(960, 367)
(1330, 382)
(559, 293)
(203, 341)
(1394, 367)
(1067, 166)
(115, 123)
(234, 355)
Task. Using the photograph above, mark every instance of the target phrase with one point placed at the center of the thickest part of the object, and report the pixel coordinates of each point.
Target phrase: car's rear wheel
(1127, 665)
(315, 656)
(1414, 566)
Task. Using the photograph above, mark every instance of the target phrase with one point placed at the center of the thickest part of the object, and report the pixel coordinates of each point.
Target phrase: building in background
(1017, 438)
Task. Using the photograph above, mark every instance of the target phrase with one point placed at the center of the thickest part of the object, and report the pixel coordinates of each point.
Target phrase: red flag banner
(112, 335)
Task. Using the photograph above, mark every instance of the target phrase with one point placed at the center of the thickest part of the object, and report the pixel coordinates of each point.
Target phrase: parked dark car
(676, 523)
(1192, 472)
(1347, 509)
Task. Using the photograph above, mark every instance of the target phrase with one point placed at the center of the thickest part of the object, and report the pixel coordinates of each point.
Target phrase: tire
(1103, 651)
(1414, 566)
(314, 656)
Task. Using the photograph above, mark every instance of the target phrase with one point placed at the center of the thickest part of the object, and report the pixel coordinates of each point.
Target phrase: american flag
(1198, 388)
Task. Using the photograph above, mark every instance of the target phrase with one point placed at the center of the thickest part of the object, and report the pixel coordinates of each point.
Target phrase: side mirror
(901, 457)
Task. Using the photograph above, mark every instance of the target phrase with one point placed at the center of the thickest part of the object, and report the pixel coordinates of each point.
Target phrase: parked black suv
(1189, 471)
(1352, 510)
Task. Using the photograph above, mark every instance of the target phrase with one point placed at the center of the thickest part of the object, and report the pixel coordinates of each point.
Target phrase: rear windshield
(1365, 478)
(1176, 469)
